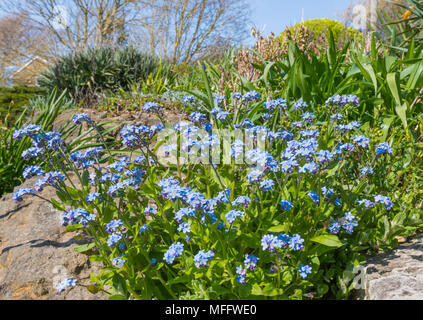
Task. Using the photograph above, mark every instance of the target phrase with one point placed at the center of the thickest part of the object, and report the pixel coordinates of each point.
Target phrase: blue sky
(277, 14)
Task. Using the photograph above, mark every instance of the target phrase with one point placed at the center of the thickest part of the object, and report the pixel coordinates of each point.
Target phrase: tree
(178, 30)
(20, 40)
(184, 30)
(78, 24)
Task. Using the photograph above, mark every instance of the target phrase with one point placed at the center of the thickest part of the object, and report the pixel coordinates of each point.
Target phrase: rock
(36, 253)
(395, 275)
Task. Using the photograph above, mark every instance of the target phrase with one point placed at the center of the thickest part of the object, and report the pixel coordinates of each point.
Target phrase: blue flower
(309, 133)
(271, 242)
(286, 204)
(237, 95)
(250, 261)
(304, 270)
(314, 196)
(32, 171)
(365, 171)
(300, 104)
(17, 196)
(150, 210)
(30, 130)
(185, 227)
(349, 225)
(202, 258)
(361, 141)
(385, 200)
(80, 117)
(140, 159)
(195, 199)
(174, 251)
(67, 282)
(208, 126)
(223, 196)
(336, 116)
(188, 99)
(198, 117)
(311, 167)
(251, 96)
(334, 227)
(327, 192)
(267, 184)
(118, 261)
(288, 166)
(308, 116)
(232, 215)
(323, 156)
(255, 175)
(367, 203)
(75, 216)
(114, 238)
(32, 152)
(92, 196)
(242, 200)
(222, 116)
(113, 225)
(383, 147)
(184, 212)
(296, 242)
(349, 216)
(118, 166)
(53, 177)
(219, 99)
(241, 272)
(143, 228)
(151, 107)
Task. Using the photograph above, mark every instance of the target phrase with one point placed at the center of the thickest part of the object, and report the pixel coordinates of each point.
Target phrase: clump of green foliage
(89, 74)
(317, 32)
(13, 100)
(11, 162)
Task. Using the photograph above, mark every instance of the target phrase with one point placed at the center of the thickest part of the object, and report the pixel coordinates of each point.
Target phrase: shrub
(87, 75)
(318, 30)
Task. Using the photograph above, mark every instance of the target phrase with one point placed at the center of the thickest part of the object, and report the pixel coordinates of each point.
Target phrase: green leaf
(270, 290)
(93, 289)
(329, 240)
(256, 290)
(84, 247)
(401, 111)
(182, 279)
(57, 205)
(279, 228)
(392, 80)
(85, 178)
(73, 227)
(385, 127)
(95, 258)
